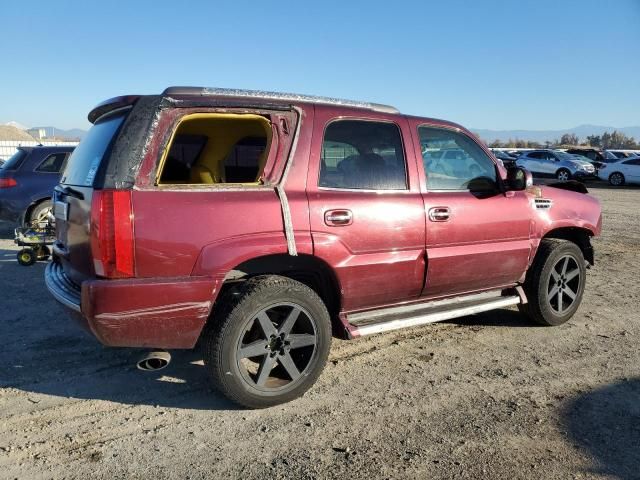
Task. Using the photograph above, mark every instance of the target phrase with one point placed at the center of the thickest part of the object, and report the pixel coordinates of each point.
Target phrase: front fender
(568, 210)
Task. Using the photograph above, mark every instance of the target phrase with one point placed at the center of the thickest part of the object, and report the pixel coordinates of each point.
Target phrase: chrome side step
(394, 318)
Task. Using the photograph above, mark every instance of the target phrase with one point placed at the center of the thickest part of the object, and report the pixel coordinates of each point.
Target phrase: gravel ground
(487, 396)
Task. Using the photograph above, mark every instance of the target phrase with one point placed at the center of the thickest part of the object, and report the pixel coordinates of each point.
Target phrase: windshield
(14, 161)
(85, 160)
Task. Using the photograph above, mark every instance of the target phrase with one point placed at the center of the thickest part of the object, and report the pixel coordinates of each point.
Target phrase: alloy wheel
(277, 347)
(616, 179)
(564, 284)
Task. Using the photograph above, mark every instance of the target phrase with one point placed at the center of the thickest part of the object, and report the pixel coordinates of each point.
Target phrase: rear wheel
(563, 175)
(268, 343)
(555, 282)
(39, 213)
(616, 179)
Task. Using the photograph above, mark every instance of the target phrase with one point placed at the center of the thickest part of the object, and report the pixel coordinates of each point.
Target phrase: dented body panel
(159, 313)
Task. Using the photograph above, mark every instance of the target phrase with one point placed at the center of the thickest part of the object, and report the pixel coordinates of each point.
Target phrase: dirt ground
(487, 396)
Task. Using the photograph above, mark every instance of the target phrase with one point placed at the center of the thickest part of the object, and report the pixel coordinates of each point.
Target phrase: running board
(394, 318)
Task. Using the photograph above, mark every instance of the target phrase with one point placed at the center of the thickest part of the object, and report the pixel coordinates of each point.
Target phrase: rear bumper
(153, 313)
(63, 290)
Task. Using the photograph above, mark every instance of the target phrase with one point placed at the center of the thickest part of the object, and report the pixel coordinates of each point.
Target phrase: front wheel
(269, 341)
(563, 175)
(616, 179)
(555, 282)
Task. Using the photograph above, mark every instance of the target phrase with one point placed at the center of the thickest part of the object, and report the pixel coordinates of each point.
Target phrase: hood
(579, 163)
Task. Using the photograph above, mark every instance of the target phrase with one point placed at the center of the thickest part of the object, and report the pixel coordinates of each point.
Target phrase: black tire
(616, 179)
(39, 212)
(42, 252)
(237, 328)
(563, 175)
(549, 282)
(26, 257)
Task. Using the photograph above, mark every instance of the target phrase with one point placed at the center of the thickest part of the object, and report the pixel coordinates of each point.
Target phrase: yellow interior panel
(223, 131)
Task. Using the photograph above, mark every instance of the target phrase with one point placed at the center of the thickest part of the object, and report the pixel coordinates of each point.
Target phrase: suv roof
(237, 95)
(265, 95)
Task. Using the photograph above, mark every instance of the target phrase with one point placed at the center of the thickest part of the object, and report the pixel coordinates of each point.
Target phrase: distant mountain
(582, 131)
(72, 133)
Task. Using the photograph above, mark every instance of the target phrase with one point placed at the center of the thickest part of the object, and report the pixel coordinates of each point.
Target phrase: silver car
(555, 164)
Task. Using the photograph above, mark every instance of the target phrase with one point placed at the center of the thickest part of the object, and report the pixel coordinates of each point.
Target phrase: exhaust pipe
(153, 361)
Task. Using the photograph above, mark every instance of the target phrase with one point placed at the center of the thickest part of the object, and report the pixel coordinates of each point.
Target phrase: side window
(536, 155)
(453, 161)
(217, 148)
(363, 155)
(52, 163)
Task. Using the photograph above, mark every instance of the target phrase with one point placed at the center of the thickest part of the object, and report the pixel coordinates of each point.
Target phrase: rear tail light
(112, 241)
(8, 182)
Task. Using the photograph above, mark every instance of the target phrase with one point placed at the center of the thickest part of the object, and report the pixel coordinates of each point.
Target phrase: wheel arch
(307, 269)
(578, 235)
(27, 211)
(624, 179)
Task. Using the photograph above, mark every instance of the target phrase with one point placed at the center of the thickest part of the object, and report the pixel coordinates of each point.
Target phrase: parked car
(27, 180)
(620, 153)
(621, 172)
(595, 156)
(555, 164)
(507, 160)
(259, 224)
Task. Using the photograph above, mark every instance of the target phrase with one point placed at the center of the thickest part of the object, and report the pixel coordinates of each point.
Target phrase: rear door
(366, 212)
(477, 237)
(632, 170)
(532, 162)
(72, 197)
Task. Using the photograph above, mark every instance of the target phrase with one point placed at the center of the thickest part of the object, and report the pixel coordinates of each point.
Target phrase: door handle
(439, 214)
(338, 218)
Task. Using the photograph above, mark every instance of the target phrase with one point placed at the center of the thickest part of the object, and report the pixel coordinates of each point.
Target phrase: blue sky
(535, 64)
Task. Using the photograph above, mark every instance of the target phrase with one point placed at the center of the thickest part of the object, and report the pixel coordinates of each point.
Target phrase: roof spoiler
(111, 104)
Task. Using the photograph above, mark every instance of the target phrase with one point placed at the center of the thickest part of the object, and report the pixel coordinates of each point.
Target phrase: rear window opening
(217, 148)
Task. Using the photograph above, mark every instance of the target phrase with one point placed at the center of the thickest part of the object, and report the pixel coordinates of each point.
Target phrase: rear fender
(220, 257)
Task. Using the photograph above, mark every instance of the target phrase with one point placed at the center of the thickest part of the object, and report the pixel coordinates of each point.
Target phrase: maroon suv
(260, 223)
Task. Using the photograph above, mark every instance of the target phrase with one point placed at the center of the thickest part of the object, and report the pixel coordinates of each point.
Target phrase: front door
(366, 210)
(477, 236)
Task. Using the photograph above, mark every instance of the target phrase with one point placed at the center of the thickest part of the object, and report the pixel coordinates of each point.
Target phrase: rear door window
(363, 155)
(85, 160)
(53, 163)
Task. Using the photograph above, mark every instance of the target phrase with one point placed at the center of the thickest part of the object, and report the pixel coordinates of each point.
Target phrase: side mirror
(518, 179)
